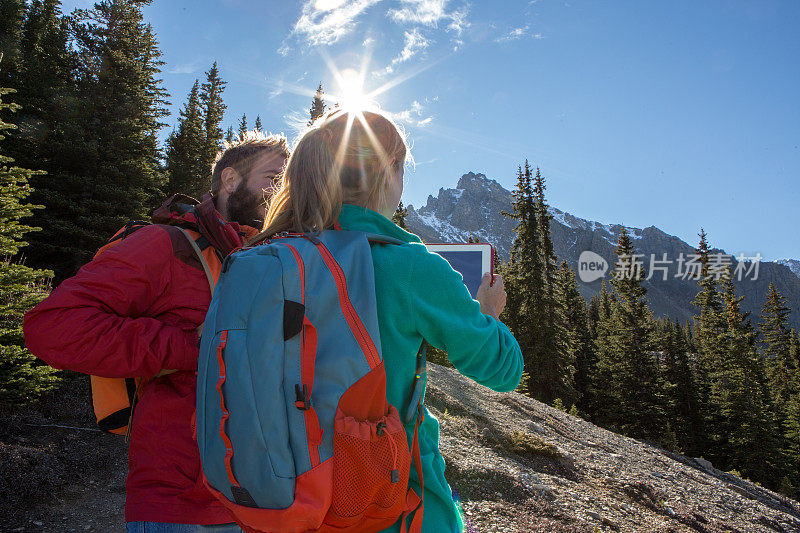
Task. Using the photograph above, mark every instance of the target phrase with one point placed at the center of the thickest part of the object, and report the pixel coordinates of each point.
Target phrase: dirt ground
(58, 472)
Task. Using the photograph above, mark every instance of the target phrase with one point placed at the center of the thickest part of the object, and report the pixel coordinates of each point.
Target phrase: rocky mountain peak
(471, 180)
(477, 183)
(471, 209)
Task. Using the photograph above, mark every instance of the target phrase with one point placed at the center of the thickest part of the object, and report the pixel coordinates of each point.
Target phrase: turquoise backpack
(293, 425)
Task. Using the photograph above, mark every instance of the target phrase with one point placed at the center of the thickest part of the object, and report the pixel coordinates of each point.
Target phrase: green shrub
(439, 357)
(22, 377)
(525, 444)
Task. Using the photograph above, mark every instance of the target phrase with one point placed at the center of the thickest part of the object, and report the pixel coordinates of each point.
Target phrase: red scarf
(202, 216)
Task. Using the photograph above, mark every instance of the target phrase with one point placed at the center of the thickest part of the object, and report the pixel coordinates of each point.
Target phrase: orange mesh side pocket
(371, 463)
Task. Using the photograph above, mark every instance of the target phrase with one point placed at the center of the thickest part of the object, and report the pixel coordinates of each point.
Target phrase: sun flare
(349, 91)
(351, 94)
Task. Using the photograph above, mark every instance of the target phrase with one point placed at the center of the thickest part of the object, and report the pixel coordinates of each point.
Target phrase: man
(135, 311)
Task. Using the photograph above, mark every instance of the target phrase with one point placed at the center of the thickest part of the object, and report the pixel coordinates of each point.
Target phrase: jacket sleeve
(101, 320)
(479, 346)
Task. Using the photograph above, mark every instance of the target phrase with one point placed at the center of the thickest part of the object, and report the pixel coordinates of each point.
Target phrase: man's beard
(246, 207)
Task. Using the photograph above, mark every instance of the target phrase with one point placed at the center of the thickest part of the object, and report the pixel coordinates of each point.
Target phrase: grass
(525, 444)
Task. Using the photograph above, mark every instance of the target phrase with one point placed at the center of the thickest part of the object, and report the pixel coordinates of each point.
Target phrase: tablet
(472, 260)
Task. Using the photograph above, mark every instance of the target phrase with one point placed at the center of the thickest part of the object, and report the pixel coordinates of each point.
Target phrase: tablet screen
(472, 261)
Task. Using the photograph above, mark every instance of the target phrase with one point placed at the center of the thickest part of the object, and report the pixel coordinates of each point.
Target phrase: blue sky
(677, 114)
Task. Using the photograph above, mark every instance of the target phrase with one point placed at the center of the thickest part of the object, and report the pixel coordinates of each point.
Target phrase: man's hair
(242, 153)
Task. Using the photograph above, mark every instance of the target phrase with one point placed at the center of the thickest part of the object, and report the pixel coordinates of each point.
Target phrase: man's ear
(230, 179)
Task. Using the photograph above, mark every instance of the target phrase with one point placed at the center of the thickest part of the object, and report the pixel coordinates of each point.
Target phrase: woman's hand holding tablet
(492, 295)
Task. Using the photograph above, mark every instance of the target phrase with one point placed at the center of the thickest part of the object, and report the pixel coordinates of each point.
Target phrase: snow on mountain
(793, 264)
(448, 232)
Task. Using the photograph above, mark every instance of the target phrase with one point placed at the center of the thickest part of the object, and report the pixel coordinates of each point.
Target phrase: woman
(347, 171)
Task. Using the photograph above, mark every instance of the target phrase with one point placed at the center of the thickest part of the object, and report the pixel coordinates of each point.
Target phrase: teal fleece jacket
(420, 296)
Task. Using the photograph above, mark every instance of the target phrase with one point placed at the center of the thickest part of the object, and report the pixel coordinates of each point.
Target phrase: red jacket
(134, 311)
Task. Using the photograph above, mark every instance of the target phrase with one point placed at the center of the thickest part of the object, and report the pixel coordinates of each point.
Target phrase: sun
(351, 94)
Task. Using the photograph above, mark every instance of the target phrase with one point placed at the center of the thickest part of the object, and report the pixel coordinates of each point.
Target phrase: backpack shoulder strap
(415, 503)
(419, 384)
(121, 234)
(200, 256)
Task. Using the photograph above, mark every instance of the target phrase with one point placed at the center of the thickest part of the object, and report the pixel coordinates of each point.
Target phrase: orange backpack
(114, 399)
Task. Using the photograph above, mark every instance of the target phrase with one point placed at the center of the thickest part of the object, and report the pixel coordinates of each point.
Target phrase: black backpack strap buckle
(303, 398)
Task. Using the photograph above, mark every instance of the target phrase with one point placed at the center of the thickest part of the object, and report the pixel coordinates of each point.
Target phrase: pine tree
(680, 387)
(243, 124)
(214, 108)
(750, 437)
(317, 105)
(581, 346)
(52, 135)
(22, 377)
(400, 215)
(543, 218)
(709, 325)
(258, 126)
(187, 170)
(12, 18)
(229, 135)
(91, 111)
(532, 311)
(553, 334)
(791, 424)
(119, 80)
(632, 397)
(777, 345)
(604, 404)
(593, 313)
(523, 267)
(690, 341)
(781, 367)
